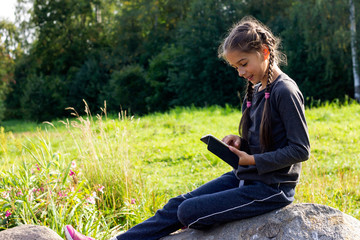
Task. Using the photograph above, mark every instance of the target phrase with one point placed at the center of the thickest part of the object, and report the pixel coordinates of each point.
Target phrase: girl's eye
(244, 65)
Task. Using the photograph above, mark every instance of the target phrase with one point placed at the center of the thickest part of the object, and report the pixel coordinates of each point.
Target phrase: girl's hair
(249, 36)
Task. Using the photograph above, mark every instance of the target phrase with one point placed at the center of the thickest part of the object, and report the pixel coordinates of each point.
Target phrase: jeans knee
(183, 213)
(189, 216)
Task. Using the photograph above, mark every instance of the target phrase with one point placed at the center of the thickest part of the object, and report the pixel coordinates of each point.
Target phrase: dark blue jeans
(221, 200)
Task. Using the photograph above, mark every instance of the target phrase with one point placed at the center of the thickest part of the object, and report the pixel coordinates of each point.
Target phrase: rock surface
(29, 232)
(294, 222)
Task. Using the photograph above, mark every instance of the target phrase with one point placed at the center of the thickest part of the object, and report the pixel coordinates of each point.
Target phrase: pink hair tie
(267, 95)
(248, 104)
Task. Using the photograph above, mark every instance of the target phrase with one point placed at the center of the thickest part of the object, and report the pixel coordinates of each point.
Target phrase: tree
(67, 31)
(70, 43)
(9, 50)
(87, 47)
(142, 27)
(42, 97)
(355, 64)
(198, 77)
(88, 81)
(128, 89)
(316, 40)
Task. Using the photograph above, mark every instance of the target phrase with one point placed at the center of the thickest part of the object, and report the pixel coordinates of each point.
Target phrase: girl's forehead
(236, 56)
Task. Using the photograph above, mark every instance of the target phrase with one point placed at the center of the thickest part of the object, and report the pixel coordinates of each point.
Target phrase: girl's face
(251, 66)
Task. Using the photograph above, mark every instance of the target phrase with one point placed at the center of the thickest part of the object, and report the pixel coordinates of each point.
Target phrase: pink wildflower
(5, 194)
(101, 189)
(19, 194)
(73, 164)
(62, 194)
(71, 173)
(8, 213)
(37, 167)
(133, 201)
(36, 190)
(31, 197)
(91, 200)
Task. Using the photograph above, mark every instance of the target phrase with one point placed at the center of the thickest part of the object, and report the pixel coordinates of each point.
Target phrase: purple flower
(133, 201)
(71, 173)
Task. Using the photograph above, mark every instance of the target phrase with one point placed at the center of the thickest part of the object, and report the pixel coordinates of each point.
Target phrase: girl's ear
(266, 52)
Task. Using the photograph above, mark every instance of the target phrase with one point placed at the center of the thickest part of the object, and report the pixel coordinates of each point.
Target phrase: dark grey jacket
(289, 130)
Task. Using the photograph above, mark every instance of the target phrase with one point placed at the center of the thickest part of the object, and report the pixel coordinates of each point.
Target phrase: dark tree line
(151, 55)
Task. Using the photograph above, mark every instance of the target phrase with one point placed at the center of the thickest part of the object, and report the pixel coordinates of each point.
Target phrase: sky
(7, 9)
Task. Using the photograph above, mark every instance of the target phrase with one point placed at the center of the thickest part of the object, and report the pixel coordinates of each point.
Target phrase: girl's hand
(232, 140)
(244, 158)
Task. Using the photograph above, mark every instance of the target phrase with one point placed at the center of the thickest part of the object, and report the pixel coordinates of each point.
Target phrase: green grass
(142, 162)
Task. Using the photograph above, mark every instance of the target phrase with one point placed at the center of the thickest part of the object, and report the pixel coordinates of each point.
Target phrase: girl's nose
(241, 72)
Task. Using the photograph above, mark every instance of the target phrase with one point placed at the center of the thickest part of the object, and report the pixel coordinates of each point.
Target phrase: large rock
(294, 222)
(29, 232)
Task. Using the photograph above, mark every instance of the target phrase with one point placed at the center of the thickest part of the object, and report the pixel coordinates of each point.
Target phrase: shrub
(43, 98)
(160, 68)
(128, 88)
(2, 99)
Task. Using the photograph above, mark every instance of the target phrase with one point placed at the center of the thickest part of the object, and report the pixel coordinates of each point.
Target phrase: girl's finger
(237, 143)
(234, 150)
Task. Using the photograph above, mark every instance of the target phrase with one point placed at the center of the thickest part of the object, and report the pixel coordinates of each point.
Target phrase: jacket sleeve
(289, 103)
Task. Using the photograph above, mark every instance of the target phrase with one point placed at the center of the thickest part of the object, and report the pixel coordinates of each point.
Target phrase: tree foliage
(9, 50)
(129, 88)
(151, 55)
(319, 54)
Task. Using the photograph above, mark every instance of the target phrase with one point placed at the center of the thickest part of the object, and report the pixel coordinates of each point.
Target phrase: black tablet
(221, 149)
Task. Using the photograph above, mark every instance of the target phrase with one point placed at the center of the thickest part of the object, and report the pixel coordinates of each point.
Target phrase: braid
(245, 119)
(271, 65)
(266, 139)
(249, 92)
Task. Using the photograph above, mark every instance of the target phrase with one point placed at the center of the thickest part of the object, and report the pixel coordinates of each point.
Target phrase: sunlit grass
(142, 162)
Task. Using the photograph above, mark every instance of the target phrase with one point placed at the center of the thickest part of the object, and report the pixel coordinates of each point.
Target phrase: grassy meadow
(103, 174)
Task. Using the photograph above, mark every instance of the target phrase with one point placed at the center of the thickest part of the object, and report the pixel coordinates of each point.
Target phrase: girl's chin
(253, 81)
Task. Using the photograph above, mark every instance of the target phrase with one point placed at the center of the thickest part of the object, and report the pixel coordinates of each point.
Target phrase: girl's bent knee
(184, 212)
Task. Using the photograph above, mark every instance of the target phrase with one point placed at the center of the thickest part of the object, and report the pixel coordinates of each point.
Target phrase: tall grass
(331, 176)
(104, 174)
(55, 178)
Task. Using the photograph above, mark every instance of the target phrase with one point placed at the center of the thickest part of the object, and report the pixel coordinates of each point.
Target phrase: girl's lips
(250, 78)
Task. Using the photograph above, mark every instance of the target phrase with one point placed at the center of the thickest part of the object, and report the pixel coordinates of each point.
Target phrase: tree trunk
(354, 51)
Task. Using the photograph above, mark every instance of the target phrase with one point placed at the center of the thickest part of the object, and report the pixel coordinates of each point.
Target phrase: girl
(273, 141)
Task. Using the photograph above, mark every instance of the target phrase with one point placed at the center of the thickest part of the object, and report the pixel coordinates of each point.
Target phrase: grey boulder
(29, 232)
(294, 222)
